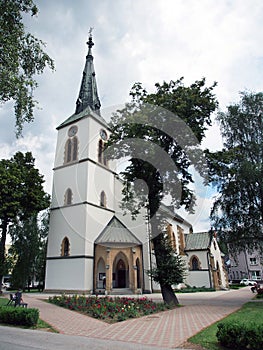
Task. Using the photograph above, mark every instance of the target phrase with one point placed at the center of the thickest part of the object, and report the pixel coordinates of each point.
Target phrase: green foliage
(170, 269)
(21, 188)
(240, 336)
(109, 309)
(21, 194)
(193, 104)
(19, 316)
(237, 173)
(160, 134)
(21, 58)
(29, 241)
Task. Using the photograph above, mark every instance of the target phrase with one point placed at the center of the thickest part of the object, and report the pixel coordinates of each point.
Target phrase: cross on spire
(90, 43)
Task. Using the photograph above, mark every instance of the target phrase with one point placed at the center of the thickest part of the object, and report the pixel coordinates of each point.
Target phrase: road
(24, 339)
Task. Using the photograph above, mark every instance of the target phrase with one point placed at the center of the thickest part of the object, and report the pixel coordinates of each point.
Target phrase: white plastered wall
(199, 278)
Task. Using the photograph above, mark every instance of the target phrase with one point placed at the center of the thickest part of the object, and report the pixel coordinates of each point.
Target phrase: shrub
(195, 289)
(19, 316)
(237, 335)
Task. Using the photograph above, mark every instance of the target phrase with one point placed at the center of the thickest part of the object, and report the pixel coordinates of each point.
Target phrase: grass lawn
(250, 312)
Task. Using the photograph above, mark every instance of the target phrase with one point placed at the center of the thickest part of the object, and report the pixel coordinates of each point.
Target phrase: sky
(145, 41)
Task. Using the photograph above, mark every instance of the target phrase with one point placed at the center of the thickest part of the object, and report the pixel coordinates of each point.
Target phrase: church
(92, 246)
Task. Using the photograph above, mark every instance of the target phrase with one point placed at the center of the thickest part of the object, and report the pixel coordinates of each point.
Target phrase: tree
(40, 267)
(237, 171)
(21, 58)
(160, 133)
(25, 246)
(29, 240)
(170, 269)
(21, 195)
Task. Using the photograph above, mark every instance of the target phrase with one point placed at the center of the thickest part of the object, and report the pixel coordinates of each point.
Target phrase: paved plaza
(164, 330)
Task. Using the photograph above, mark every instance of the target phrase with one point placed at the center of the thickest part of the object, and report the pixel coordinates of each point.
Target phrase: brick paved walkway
(167, 329)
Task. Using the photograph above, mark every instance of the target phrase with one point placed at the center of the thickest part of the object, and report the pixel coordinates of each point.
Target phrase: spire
(88, 94)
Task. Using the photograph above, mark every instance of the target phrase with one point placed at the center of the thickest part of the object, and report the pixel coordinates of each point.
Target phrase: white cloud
(147, 41)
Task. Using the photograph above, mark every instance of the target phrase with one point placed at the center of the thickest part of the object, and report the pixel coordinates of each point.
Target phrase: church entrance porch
(120, 275)
(117, 270)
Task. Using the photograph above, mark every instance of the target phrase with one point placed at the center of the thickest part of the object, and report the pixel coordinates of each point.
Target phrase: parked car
(248, 282)
(234, 282)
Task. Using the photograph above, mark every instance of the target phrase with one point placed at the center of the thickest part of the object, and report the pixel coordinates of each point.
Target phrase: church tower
(87, 241)
(83, 183)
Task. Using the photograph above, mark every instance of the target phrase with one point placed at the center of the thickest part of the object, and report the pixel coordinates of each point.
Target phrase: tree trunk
(167, 291)
(168, 295)
(2, 251)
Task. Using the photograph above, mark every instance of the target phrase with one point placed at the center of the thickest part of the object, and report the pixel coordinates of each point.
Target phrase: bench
(19, 300)
(11, 300)
(16, 300)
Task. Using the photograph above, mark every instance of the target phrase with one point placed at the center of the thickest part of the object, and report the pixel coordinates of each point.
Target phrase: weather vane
(90, 43)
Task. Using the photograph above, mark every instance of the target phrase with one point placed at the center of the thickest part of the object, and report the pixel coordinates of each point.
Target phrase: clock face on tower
(72, 131)
(103, 134)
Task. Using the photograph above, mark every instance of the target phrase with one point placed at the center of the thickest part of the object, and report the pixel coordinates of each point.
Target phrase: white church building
(92, 246)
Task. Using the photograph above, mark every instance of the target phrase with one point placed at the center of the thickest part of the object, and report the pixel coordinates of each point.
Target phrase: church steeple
(88, 94)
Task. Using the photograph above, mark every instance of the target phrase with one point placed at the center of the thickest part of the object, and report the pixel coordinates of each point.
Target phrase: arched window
(101, 156)
(65, 247)
(68, 197)
(71, 150)
(68, 151)
(103, 199)
(75, 149)
(195, 263)
(180, 233)
(171, 236)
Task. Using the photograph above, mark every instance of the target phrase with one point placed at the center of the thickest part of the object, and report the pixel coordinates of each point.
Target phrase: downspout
(94, 276)
(209, 266)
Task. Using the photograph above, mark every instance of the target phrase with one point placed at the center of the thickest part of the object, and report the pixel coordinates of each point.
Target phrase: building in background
(246, 265)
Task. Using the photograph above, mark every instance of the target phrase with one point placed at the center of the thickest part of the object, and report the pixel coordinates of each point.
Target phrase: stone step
(121, 291)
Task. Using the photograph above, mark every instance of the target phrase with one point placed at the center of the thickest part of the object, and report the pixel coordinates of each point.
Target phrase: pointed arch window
(65, 247)
(195, 263)
(103, 199)
(68, 151)
(101, 156)
(71, 150)
(171, 236)
(75, 149)
(68, 197)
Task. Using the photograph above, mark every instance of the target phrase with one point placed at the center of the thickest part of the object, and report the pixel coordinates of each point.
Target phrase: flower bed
(109, 309)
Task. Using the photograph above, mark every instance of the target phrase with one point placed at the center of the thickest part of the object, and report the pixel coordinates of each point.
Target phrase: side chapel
(92, 246)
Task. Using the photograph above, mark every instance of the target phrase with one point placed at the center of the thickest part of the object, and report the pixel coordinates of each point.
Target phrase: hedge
(240, 336)
(19, 316)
